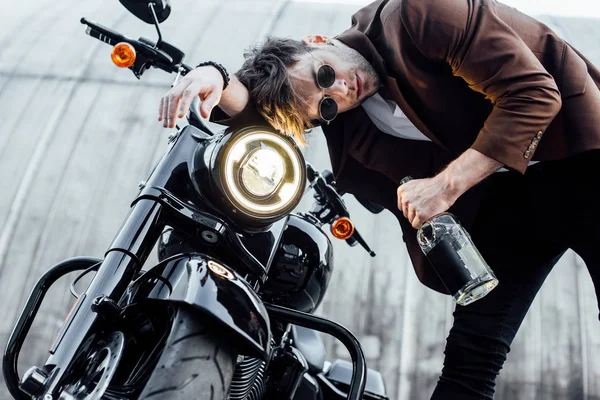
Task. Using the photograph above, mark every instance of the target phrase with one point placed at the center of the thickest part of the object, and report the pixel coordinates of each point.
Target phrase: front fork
(122, 262)
(124, 259)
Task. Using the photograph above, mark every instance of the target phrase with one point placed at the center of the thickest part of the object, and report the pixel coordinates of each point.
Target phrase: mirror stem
(151, 7)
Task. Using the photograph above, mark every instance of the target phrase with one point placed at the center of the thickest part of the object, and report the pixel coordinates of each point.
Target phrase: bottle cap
(405, 179)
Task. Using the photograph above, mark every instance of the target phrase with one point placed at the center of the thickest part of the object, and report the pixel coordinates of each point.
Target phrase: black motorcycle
(227, 311)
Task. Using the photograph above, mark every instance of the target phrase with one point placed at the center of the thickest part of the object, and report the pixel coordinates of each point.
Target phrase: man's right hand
(205, 82)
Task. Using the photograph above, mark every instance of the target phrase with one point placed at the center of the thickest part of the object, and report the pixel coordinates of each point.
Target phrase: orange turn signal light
(123, 55)
(342, 228)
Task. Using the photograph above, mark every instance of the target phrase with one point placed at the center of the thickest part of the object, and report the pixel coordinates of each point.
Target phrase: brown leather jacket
(467, 73)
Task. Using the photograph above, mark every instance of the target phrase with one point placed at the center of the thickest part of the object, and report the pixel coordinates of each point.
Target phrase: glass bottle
(456, 260)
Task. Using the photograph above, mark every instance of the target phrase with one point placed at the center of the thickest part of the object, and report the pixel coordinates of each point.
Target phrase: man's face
(355, 78)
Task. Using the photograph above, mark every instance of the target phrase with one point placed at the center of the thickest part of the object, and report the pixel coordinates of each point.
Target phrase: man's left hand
(422, 199)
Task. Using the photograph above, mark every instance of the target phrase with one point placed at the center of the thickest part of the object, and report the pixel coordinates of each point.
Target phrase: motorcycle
(228, 310)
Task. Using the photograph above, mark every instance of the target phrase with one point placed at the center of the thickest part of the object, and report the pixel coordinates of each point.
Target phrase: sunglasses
(328, 108)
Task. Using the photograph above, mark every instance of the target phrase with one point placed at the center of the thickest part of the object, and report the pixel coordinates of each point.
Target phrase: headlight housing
(260, 175)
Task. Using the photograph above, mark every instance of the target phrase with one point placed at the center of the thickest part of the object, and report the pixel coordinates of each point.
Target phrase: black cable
(81, 275)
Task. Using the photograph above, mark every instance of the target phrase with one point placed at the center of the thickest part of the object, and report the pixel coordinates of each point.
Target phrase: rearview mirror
(142, 9)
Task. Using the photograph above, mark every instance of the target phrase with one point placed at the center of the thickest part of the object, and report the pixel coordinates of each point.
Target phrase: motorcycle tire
(196, 363)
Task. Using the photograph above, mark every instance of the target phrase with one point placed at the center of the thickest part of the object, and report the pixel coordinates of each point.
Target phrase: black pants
(523, 227)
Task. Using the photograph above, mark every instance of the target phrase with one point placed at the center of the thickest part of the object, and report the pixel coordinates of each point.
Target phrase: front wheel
(196, 363)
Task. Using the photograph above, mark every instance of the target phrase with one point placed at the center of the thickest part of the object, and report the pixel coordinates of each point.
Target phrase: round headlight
(261, 172)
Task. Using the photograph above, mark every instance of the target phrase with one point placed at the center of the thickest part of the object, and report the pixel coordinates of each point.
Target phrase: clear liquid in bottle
(456, 260)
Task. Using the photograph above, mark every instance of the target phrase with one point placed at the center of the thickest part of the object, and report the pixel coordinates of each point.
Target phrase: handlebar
(160, 55)
(329, 204)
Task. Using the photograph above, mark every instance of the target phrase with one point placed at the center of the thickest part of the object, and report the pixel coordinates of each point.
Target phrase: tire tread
(196, 363)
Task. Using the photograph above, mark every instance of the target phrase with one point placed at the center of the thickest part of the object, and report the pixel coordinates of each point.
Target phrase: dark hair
(264, 73)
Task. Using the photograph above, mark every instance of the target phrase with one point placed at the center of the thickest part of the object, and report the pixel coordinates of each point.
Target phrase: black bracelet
(220, 68)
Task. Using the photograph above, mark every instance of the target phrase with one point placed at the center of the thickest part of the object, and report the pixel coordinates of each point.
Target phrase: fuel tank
(302, 267)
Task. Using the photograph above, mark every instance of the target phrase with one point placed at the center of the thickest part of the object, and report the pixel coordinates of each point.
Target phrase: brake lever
(159, 58)
(330, 204)
(165, 56)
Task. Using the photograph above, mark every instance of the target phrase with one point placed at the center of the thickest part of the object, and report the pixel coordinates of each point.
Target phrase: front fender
(213, 289)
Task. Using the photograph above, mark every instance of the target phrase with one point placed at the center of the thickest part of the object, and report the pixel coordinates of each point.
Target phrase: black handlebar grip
(96, 34)
(103, 33)
(362, 242)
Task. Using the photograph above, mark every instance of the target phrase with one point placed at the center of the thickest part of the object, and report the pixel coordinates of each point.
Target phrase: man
(496, 117)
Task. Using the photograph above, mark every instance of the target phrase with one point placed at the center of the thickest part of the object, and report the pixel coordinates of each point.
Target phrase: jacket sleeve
(248, 116)
(484, 51)
(219, 116)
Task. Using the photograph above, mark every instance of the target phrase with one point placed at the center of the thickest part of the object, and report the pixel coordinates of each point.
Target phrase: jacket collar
(389, 90)
(360, 42)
